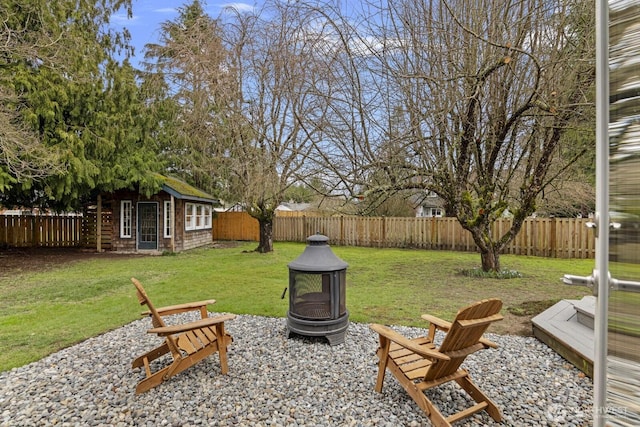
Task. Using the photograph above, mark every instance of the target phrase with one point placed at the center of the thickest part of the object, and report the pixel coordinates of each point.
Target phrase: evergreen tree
(81, 109)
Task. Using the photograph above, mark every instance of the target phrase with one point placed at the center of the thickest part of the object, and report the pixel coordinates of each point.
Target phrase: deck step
(586, 311)
(567, 327)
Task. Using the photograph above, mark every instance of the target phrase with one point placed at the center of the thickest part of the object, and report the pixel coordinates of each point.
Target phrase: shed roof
(181, 190)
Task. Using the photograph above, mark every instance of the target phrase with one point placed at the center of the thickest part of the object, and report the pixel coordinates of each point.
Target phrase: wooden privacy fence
(37, 230)
(235, 226)
(54, 230)
(545, 237)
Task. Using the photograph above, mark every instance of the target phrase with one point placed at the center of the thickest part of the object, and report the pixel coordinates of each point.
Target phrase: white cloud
(240, 7)
(166, 10)
(122, 18)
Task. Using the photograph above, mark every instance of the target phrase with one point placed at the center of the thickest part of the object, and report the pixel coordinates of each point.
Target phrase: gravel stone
(277, 381)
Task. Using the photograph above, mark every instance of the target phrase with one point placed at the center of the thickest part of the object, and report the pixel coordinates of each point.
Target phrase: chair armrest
(202, 323)
(392, 335)
(437, 322)
(180, 308)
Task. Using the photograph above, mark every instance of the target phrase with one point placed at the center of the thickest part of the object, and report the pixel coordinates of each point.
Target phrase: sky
(144, 25)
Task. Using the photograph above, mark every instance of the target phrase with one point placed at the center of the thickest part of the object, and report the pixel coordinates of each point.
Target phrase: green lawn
(43, 312)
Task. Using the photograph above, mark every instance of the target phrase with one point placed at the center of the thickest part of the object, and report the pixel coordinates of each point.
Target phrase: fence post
(34, 232)
(99, 224)
(553, 238)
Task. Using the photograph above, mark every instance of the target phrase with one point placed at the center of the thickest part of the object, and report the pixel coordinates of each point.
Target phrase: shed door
(147, 226)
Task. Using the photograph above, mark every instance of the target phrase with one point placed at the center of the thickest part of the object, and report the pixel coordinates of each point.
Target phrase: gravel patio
(277, 381)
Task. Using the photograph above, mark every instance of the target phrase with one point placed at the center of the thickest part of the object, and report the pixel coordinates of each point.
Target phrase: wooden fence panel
(40, 230)
(545, 237)
(89, 226)
(235, 226)
(12, 230)
(54, 230)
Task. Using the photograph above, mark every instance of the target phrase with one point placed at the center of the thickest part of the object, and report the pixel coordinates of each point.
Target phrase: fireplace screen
(318, 295)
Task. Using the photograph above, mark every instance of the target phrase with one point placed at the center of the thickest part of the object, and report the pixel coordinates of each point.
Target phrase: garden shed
(177, 218)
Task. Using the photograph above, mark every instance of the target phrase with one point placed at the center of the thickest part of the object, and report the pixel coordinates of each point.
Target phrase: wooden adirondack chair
(187, 343)
(419, 365)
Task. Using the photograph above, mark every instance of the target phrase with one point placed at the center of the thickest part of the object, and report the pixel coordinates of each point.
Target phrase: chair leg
(418, 396)
(222, 348)
(477, 395)
(151, 381)
(383, 355)
(150, 355)
(434, 414)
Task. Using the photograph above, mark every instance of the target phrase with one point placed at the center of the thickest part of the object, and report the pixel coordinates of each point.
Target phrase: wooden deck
(567, 327)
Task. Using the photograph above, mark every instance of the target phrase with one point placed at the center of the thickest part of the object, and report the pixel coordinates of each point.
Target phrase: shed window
(189, 213)
(207, 216)
(197, 216)
(167, 218)
(125, 218)
(199, 219)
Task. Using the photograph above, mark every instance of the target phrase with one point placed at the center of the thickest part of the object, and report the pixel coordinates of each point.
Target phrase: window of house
(125, 218)
(167, 218)
(197, 216)
(437, 212)
(199, 219)
(207, 216)
(189, 220)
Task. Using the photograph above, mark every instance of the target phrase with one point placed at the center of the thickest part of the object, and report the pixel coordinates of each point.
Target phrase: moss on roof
(184, 189)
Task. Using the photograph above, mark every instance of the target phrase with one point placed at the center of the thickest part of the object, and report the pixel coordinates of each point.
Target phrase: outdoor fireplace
(317, 293)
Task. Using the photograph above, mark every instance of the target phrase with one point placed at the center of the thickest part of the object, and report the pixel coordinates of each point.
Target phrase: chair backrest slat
(156, 319)
(466, 330)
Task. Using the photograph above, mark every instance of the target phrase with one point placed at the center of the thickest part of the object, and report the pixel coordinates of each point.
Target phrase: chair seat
(411, 364)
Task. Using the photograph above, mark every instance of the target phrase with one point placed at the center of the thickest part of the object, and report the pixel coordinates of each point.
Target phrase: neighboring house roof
(289, 207)
(427, 200)
(432, 202)
(181, 190)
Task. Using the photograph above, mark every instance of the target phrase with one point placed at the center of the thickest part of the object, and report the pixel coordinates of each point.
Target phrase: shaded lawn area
(46, 306)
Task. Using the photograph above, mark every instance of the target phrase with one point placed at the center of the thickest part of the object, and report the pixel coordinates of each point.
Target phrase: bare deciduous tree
(472, 99)
(275, 59)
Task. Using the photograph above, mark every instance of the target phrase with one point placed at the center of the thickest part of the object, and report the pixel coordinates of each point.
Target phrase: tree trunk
(490, 260)
(488, 246)
(266, 236)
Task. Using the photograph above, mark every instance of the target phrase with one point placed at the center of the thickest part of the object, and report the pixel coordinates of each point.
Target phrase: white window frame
(199, 219)
(126, 222)
(189, 220)
(168, 219)
(207, 216)
(197, 216)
